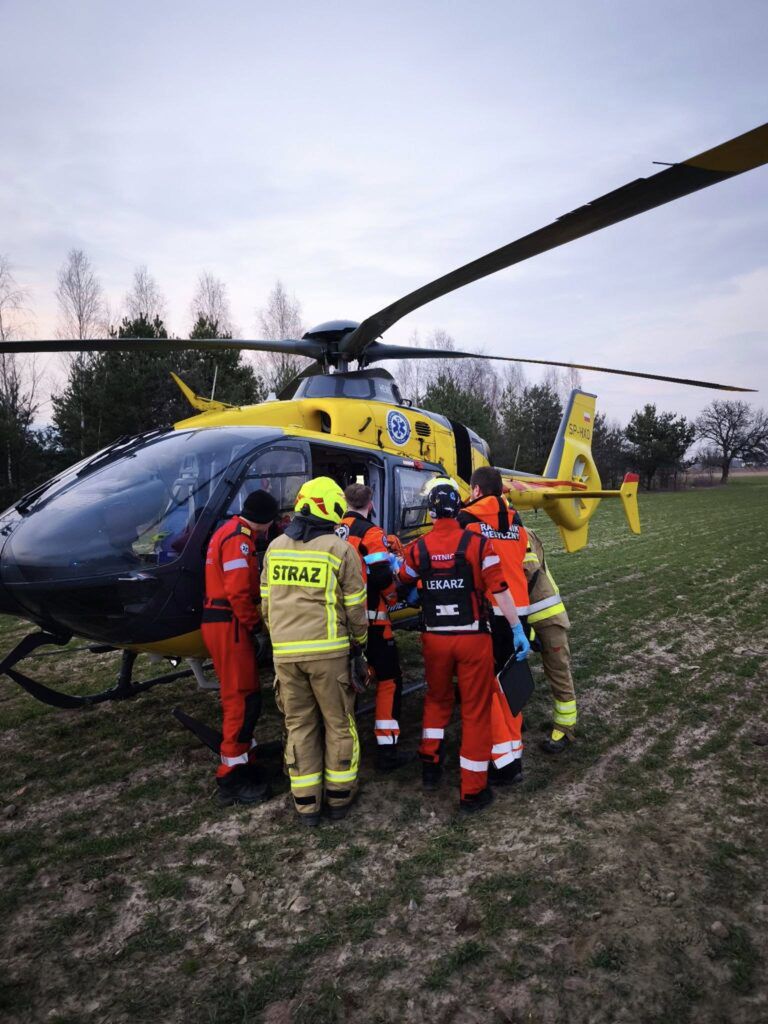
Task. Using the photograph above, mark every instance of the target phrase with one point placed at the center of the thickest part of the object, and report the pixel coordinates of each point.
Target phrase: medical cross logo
(398, 428)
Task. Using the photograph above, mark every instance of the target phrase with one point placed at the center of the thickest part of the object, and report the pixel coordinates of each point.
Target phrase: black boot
(391, 757)
(243, 786)
(311, 820)
(431, 774)
(556, 743)
(476, 801)
(510, 775)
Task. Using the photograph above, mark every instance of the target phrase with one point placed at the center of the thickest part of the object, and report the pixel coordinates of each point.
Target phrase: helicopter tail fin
(571, 455)
(571, 461)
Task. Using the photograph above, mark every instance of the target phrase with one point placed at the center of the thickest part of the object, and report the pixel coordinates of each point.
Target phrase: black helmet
(443, 498)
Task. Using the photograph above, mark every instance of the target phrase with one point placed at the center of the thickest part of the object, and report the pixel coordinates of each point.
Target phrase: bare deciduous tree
(562, 382)
(19, 381)
(279, 319)
(145, 298)
(736, 430)
(80, 298)
(211, 303)
(13, 303)
(415, 376)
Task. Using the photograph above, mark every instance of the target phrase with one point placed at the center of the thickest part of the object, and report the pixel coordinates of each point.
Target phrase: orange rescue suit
(490, 516)
(231, 612)
(455, 567)
(373, 547)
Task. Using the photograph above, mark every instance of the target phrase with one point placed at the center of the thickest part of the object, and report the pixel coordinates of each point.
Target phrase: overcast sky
(357, 150)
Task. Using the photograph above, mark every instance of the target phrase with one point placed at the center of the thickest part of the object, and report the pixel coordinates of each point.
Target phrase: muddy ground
(623, 882)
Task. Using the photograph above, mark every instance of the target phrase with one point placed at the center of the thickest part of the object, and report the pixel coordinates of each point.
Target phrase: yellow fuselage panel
(358, 423)
(188, 645)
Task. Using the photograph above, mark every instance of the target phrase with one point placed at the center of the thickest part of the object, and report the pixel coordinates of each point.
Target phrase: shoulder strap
(425, 562)
(503, 516)
(461, 550)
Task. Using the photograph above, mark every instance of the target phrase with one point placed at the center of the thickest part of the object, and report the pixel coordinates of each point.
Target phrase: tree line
(108, 394)
(519, 420)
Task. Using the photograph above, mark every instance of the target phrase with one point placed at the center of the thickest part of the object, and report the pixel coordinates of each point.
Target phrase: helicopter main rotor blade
(725, 161)
(291, 346)
(378, 351)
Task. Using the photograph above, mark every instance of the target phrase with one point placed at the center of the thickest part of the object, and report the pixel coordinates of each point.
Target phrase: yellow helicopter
(112, 550)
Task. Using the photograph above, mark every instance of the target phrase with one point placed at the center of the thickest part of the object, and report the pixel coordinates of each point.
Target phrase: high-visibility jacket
(232, 572)
(454, 567)
(371, 544)
(545, 601)
(313, 597)
(492, 518)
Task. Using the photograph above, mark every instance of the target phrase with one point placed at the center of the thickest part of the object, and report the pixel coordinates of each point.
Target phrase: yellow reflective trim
(332, 629)
(530, 557)
(355, 743)
(294, 553)
(551, 579)
(557, 735)
(357, 598)
(303, 781)
(348, 776)
(308, 646)
(547, 613)
(565, 705)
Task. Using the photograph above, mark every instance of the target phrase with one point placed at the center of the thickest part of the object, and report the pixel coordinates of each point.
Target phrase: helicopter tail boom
(569, 490)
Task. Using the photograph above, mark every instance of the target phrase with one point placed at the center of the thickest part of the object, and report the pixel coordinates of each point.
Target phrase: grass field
(625, 882)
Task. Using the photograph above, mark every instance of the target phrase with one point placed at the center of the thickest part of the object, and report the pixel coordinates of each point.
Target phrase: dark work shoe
(338, 813)
(556, 743)
(510, 775)
(242, 790)
(311, 820)
(476, 802)
(431, 775)
(390, 758)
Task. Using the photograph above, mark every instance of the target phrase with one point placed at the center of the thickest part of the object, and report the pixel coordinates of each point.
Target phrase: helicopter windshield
(132, 512)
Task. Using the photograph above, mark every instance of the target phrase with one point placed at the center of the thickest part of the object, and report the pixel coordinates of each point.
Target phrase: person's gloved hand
(395, 563)
(359, 674)
(522, 647)
(261, 643)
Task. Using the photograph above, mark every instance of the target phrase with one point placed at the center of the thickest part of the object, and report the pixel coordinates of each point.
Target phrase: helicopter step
(123, 689)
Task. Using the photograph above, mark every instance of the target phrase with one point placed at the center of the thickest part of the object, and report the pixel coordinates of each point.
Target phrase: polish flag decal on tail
(587, 418)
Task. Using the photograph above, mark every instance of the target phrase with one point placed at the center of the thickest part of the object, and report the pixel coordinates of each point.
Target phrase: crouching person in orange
(372, 546)
(489, 515)
(231, 621)
(455, 567)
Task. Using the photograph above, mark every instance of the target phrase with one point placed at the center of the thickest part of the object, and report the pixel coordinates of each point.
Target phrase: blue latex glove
(395, 563)
(522, 647)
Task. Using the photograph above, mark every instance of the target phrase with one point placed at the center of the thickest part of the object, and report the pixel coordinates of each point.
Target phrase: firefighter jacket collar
(308, 527)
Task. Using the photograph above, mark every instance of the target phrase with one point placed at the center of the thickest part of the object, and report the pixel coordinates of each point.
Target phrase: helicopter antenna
(215, 375)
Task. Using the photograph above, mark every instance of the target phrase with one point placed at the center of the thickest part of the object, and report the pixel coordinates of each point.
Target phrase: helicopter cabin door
(349, 466)
(280, 469)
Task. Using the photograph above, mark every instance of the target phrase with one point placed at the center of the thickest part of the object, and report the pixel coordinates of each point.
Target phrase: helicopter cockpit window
(132, 513)
(411, 498)
(280, 471)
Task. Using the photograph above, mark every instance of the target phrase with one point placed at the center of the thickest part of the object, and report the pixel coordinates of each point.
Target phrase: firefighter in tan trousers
(549, 619)
(314, 605)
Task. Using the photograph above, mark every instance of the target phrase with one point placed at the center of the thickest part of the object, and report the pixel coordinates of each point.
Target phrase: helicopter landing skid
(124, 688)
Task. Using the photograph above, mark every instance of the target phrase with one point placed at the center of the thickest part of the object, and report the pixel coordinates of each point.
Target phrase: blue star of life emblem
(398, 427)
